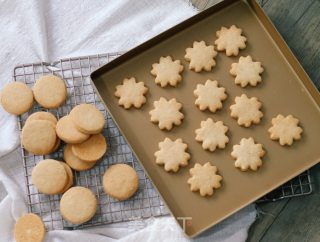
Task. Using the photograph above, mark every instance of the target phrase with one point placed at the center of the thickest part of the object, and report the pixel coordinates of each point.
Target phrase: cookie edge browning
(263, 152)
(225, 50)
(49, 106)
(40, 223)
(217, 146)
(236, 117)
(115, 196)
(293, 139)
(179, 165)
(94, 209)
(193, 68)
(144, 100)
(177, 81)
(28, 105)
(170, 126)
(57, 190)
(198, 105)
(213, 187)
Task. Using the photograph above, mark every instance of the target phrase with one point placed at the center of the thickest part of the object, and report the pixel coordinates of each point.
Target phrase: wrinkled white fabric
(34, 31)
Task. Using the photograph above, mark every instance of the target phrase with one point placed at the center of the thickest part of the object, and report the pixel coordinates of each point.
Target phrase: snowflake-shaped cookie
(212, 135)
(201, 56)
(167, 71)
(131, 93)
(247, 154)
(285, 129)
(230, 40)
(204, 179)
(246, 71)
(166, 113)
(246, 110)
(172, 154)
(210, 96)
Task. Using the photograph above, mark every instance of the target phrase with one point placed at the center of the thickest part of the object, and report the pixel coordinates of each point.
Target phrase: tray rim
(284, 49)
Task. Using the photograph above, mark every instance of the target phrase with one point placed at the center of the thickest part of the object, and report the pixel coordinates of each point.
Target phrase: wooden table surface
(298, 218)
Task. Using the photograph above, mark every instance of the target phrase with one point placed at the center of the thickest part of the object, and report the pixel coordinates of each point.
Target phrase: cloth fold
(34, 31)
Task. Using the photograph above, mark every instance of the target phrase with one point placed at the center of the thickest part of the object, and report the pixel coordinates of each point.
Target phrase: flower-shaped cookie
(172, 154)
(212, 135)
(246, 71)
(246, 110)
(230, 40)
(131, 93)
(167, 71)
(166, 113)
(210, 96)
(247, 154)
(201, 56)
(285, 129)
(204, 179)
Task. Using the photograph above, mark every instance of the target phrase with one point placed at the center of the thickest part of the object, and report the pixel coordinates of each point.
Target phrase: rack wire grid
(147, 202)
(76, 74)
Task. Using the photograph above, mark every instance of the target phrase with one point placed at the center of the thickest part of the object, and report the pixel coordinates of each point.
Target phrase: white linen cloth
(33, 31)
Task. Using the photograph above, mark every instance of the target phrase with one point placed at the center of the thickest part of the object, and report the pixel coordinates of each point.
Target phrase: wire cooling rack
(75, 72)
(147, 202)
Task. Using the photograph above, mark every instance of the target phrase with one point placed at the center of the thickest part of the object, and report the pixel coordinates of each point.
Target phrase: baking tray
(285, 89)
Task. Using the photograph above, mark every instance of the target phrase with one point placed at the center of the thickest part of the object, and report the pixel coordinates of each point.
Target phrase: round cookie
(74, 162)
(92, 149)
(42, 116)
(50, 91)
(29, 228)
(67, 131)
(39, 137)
(56, 145)
(49, 177)
(16, 98)
(87, 118)
(69, 177)
(78, 205)
(120, 181)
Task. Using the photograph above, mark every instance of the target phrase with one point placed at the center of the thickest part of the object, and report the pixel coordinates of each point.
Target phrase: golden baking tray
(286, 89)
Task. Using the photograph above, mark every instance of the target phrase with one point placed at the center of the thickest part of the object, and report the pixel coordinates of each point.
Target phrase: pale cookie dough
(230, 40)
(166, 113)
(131, 93)
(74, 162)
(209, 96)
(50, 91)
(201, 56)
(67, 131)
(172, 154)
(43, 116)
(92, 149)
(120, 181)
(167, 71)
(246, 71)
(204, 179)
(87, 118)
(78, 205)
(29, 228)
(49, 177)
(39, 137)
(285, 129)
(246, 110)
(69, 177)
(16, 98)
(212, 135)
(247, 154)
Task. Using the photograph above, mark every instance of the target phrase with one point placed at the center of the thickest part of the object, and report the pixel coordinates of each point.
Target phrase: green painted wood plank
(299, 24)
